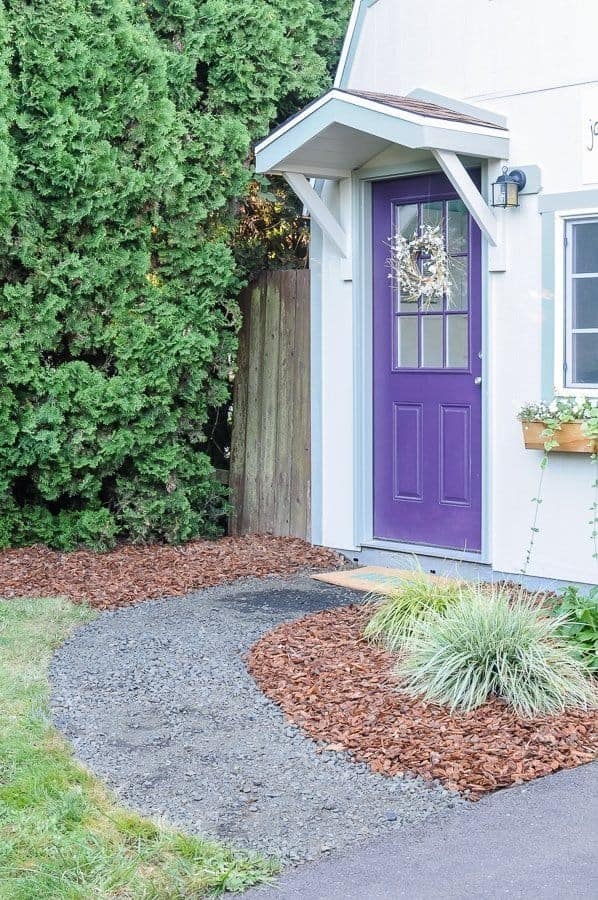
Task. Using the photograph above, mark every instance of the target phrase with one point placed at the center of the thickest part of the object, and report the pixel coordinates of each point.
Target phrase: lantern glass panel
(512, 193)
(499, 189)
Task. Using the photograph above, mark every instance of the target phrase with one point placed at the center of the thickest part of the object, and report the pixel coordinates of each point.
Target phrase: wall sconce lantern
(506, 188)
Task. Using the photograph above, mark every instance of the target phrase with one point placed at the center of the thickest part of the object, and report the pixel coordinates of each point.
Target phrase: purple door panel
(427, 377)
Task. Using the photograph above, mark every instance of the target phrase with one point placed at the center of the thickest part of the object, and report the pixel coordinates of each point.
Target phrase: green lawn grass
(62, 835)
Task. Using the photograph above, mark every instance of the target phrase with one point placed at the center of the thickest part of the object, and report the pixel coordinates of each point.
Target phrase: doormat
(377, 579)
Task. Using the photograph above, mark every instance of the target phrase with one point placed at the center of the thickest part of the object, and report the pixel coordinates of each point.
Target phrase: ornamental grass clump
(395, 615)
(489, 644)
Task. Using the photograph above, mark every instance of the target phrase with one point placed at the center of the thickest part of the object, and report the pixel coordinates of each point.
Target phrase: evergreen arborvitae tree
(125, 131)
(6, 116)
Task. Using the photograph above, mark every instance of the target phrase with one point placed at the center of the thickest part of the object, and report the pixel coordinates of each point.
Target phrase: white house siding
(546, 129)
(510, 57)
(337, 394)
(467, 49)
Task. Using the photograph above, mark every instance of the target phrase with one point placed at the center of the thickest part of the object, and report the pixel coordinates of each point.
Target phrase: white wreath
(406, 268)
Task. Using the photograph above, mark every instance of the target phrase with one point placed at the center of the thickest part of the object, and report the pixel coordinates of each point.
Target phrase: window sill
(589, 392)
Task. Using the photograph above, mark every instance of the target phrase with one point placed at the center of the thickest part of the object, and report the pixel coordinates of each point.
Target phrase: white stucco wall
(468, 49)
(535, 79)
(546, 129)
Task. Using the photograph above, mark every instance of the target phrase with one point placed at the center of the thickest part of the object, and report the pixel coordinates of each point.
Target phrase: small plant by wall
(579, 618)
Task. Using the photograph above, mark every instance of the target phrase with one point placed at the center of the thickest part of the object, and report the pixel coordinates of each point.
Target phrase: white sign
(590, 135)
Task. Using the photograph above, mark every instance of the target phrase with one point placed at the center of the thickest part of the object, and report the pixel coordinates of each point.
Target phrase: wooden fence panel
(270, 454)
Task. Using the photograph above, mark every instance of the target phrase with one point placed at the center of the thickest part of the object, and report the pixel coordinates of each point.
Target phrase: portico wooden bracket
(459, 177)
(319, 211)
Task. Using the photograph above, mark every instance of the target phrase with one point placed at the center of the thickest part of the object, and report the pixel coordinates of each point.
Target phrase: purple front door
(427, 377)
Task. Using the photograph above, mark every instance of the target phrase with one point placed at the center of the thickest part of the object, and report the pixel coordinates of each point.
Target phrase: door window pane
(585, 358)
(406, 223)
(585, 302)
(430, 304)
(432, 342)
(458, 267)
(457, 226)
(407, 304)
(407, 342)
(457, 342)
(432, 213)
(406, 220)
(585, 247)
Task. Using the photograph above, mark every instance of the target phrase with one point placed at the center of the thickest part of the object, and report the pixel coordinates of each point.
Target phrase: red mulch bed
(341, 691)
(129, 574)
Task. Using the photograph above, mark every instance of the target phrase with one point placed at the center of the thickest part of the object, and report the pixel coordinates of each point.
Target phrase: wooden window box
(570, 437)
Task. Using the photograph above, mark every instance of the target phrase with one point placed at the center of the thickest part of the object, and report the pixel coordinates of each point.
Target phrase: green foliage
(395, 615)
(272, 232)
(590, 425)
(7, 161)
(561, 411)
(61, 833)
(125, 135)
(579, 625)
(489, 644)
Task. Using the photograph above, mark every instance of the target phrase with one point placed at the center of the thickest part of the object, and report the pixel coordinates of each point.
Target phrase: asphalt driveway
(538, 842)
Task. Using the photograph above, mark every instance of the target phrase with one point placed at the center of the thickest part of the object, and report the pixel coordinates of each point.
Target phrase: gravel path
(156, 700)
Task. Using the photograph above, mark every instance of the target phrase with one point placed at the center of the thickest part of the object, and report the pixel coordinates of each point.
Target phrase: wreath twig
(420, 266)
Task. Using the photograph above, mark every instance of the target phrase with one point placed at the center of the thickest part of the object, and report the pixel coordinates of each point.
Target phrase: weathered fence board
(270, 452)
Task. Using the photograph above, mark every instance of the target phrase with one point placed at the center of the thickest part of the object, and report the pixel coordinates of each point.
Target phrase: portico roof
(343, 129)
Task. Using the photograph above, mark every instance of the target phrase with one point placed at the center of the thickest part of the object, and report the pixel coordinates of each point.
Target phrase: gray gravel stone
(156, 699)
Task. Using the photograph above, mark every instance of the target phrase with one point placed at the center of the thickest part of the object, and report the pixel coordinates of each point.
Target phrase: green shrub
(125, 134)
(489, 644)
(580, 625)
(395, 615)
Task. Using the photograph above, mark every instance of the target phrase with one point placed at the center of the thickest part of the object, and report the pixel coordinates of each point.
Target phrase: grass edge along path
(62, 834)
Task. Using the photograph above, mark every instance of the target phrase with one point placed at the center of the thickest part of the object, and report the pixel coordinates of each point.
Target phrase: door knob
(477, 380)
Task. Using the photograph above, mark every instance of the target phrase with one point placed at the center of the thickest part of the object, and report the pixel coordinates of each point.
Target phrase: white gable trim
(351, 42)
(350, 36)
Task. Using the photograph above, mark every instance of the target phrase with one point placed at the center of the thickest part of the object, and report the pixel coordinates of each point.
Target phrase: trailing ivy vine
(537, 501)
(561, 411)
(594, 509)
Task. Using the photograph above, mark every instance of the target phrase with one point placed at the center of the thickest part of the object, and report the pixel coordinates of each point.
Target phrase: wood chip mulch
(130, 574)
(342, 692)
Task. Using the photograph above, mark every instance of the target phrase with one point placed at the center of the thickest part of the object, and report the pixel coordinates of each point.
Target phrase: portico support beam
(459, 177)
(318, 211)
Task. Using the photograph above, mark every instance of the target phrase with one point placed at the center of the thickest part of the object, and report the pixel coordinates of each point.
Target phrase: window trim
(563, 336)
